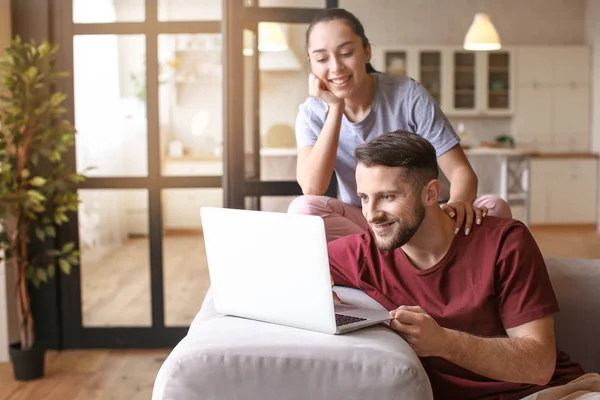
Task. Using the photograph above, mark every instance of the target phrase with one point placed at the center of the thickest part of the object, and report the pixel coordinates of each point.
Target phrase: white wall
(445, 22)
(592, 37)
(6, 300)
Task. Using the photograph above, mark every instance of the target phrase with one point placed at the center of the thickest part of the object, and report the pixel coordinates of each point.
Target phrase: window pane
(190, 104)
(185, 270)
(283, 87)
(106, 11)
(189, 10)
(115, 259)
(110, 104)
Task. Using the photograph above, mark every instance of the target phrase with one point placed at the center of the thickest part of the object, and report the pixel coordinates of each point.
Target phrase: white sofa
(225, 357)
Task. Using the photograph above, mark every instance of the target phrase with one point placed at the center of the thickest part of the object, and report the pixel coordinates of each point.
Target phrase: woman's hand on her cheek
(465, 213)
(318, 89)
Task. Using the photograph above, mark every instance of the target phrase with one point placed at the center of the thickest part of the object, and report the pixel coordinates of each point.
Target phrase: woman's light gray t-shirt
(399, 103)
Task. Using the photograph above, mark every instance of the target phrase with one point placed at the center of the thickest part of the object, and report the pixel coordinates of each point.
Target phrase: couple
(477, 308)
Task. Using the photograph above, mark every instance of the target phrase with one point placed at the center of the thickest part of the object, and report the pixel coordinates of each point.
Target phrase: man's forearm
(520, 360)
(463, 185)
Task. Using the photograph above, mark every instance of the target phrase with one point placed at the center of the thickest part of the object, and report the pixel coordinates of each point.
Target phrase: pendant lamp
(482, 36)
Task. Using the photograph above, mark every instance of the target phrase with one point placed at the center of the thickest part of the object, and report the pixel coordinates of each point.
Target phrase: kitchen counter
(564, 155)
(502, 151)
(473, 151)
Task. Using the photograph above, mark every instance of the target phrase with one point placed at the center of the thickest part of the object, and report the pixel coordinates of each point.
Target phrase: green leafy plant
(37, 188)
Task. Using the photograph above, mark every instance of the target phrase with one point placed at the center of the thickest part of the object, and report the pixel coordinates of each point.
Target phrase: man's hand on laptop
(336, 299)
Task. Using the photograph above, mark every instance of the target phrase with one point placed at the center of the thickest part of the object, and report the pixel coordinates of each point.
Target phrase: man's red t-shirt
(489, 281)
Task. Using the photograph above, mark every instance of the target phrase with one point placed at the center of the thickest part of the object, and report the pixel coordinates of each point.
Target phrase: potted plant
(37, 188)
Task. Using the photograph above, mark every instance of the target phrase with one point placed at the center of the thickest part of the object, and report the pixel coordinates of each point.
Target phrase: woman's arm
(463, 181)
(428, 120)
(463, 189)
(315, 163)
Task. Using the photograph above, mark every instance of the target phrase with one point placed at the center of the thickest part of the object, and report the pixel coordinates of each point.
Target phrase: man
(478, 308)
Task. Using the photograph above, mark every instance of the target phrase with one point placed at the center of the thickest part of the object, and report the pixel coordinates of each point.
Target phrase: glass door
(147, 99)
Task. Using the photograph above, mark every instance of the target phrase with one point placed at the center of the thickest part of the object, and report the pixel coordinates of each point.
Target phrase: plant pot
(27, 364)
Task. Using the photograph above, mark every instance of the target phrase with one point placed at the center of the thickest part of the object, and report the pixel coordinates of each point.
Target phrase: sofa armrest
(224, 357)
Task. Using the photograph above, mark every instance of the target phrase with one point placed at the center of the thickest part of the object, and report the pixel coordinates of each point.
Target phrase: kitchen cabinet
(482, 83)
(571, 117)
(552, 110)
(463, 83)
(552, 65)
(564, 191)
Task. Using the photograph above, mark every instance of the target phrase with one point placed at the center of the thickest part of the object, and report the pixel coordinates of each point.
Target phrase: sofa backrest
(576, 283)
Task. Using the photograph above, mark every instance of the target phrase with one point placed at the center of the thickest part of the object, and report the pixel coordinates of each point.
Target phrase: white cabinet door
(571, 65)
(534, 111)
(575, 195)
(571, 109)
(538, 192)
(534, 66)
(572, 196)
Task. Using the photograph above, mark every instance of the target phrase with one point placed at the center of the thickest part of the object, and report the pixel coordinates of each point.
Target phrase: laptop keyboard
(341, 319)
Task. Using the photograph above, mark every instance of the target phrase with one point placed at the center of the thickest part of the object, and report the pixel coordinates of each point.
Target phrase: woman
(351, 103)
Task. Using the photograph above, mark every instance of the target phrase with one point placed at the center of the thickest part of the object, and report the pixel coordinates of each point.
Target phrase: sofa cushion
(224, 357)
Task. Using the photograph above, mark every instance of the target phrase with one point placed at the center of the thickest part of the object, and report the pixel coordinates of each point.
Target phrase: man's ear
(431, 192)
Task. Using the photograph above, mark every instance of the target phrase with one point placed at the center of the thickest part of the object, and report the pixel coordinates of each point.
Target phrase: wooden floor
(129, 374)
(116, 285)
(88, 375)
(583, 243)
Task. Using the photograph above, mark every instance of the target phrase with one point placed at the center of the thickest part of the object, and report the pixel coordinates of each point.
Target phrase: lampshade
(482, 35)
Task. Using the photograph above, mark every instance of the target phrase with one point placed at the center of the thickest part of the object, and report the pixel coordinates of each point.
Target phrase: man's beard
(403, 232)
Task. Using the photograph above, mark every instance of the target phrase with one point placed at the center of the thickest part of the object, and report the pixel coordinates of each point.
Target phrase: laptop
(274, 267)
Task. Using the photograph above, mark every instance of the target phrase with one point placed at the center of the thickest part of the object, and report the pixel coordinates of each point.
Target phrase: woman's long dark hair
(350, 19)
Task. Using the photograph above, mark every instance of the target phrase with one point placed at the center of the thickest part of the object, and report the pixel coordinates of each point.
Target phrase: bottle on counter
(463, 135)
